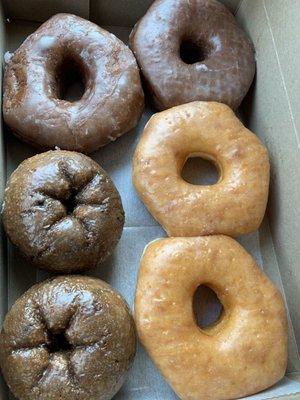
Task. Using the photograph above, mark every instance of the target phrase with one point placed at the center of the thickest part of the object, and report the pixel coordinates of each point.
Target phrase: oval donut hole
(192, 52)
(207, 307)
(200, 171)
(71, 79)
(58, 343)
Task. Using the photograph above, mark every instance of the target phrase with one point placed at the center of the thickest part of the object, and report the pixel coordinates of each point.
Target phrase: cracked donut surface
(62, 211)
(33, 105)
(70, 337)
(193, 50)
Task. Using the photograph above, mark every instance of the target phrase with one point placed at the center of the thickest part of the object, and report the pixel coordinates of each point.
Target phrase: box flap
(41, 10)
(127, 12)
(3, 261)
(271, 112)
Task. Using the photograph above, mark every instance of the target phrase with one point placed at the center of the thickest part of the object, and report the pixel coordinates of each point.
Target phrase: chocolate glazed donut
(62, 211)
(34, 105)
(67, 338)
(193, 50)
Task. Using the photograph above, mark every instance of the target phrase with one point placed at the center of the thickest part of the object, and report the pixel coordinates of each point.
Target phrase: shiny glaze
(62, 211)
(244, 353)
(111, 104)
(233, 206)
(96, 323)
(227, 69)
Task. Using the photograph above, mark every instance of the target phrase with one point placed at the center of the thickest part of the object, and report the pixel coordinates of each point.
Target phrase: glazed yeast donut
(235, 204)
(34, 105)
(67, 338)
(62, 211)
(193, 50)
(244, 352)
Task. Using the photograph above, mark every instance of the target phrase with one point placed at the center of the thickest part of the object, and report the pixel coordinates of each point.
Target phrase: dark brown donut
(193, 50)
(62, 211)
(113, 99)
(67, 338)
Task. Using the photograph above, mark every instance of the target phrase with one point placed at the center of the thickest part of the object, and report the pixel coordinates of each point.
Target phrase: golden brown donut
(67, 338)
(33, 105)
(244, 352)
(62, 211)
(193, 50)
(235, 204)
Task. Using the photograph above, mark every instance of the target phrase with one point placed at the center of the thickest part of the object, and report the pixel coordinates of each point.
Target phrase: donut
(244, 352)
(62, 211)
(36, 77)
(67, 338)
(193, 50)
(233, 206)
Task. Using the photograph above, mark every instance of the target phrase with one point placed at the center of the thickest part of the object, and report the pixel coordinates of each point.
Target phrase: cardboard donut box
(270, 109)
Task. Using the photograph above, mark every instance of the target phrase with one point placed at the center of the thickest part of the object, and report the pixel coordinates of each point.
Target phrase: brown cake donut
(193, 50)
(62, 211)
(67, 338)
(34, 80)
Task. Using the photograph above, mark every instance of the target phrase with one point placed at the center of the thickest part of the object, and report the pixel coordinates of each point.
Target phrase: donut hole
(57, 342)
(207, 307)
(200, 171)
(70, 204)
(71, 80)
(192, 52)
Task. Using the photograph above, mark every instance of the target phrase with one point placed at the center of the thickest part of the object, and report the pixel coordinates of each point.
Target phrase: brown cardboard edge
(269, 114)
(2, 249)
(36, 10)
(3, 268)
(41, 10)
(102, 13)
(2, 186)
